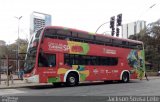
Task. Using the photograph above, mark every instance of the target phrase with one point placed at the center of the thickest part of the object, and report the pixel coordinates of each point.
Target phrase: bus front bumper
(32, 79)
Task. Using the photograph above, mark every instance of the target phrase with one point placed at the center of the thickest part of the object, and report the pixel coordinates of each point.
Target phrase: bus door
(46, 66)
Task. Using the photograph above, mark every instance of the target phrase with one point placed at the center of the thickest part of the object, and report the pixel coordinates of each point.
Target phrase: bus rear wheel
(125, 77)
(108, 81)
(72, 80)
(57, 84)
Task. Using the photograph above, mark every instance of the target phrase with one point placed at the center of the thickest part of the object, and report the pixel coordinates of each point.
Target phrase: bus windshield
(30, 60)
(31, 52)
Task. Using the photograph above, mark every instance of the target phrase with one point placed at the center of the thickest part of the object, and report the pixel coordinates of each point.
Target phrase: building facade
(39, 20)
(132, 28)
(2, 43)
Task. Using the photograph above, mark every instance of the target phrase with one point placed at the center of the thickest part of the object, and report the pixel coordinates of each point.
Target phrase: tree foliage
(3, 51)
(151, 38)
(11, 51)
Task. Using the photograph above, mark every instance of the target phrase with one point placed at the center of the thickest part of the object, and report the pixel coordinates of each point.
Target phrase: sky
(85, 15)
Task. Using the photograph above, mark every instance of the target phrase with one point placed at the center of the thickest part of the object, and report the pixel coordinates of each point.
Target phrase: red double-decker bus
(59, 54)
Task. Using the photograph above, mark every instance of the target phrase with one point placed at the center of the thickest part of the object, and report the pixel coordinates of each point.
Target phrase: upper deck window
(85, 36)
(88, 38)
(135, 46)
(51, 33)
(64, 32)
(101, 38)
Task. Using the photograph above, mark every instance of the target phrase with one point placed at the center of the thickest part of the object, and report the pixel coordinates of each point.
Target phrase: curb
(6, 79)
(153, 77)
(41, 84)
(24, 86)
(12, 87)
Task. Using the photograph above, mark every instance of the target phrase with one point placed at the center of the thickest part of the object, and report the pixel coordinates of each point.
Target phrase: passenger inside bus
(46, 60)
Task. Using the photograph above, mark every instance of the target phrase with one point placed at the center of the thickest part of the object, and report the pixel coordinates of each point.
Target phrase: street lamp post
(18, 18)
(136, 23)
(101, 26)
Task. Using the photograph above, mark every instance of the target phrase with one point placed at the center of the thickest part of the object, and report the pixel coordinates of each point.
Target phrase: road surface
(133, 88)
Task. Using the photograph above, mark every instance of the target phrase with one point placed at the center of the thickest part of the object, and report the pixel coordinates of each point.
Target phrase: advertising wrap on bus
(71, 56)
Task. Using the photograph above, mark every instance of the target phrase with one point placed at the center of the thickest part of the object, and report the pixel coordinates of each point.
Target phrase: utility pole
(18, 18)
(136, 23)
(7, 69)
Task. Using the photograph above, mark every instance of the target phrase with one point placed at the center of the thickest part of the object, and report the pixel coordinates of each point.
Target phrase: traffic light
(119, 20)
(113, 31)
(112, 21)
(117, 32)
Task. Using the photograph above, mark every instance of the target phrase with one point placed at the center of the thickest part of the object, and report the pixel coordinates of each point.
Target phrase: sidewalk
(22, 83)
(152, 77)
(17, 83)
(4, 77)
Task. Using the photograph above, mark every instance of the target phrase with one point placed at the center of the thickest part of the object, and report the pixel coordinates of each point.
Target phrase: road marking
(10, 91)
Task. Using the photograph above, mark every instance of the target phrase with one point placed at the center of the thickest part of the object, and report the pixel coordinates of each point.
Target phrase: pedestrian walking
(21, 72)
(10, 72)
(146, 77)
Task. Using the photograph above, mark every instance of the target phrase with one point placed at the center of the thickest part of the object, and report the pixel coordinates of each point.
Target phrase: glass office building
(39, 20)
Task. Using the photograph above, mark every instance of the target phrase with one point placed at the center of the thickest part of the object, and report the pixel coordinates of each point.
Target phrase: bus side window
(52, 60)
(46, 60)
(42, 60)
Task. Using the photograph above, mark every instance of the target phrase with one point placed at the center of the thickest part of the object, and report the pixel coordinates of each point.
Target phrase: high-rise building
(39, 20)
(2, 43)
(132, 28)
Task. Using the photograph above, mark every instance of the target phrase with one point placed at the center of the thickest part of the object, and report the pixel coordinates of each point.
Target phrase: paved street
(135, 87)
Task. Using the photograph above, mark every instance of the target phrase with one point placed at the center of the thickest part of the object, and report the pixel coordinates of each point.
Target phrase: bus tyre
(108, 81)
(125, 77)
(71, 80)
(57, 84)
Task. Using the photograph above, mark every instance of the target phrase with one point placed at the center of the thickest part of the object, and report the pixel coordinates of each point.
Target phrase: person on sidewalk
(10, 72)
(146, 77)
(143, 74)
(21, 72)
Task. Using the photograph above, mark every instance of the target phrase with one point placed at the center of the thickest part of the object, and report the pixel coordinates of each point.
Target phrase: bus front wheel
(125, 77)
(72, 80)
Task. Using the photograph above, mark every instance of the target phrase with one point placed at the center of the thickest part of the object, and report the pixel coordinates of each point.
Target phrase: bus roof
(96, 34)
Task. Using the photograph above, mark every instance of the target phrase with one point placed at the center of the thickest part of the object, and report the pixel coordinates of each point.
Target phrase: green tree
(23, 44)
(3, 51)
(11, 51)
(151, 38)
